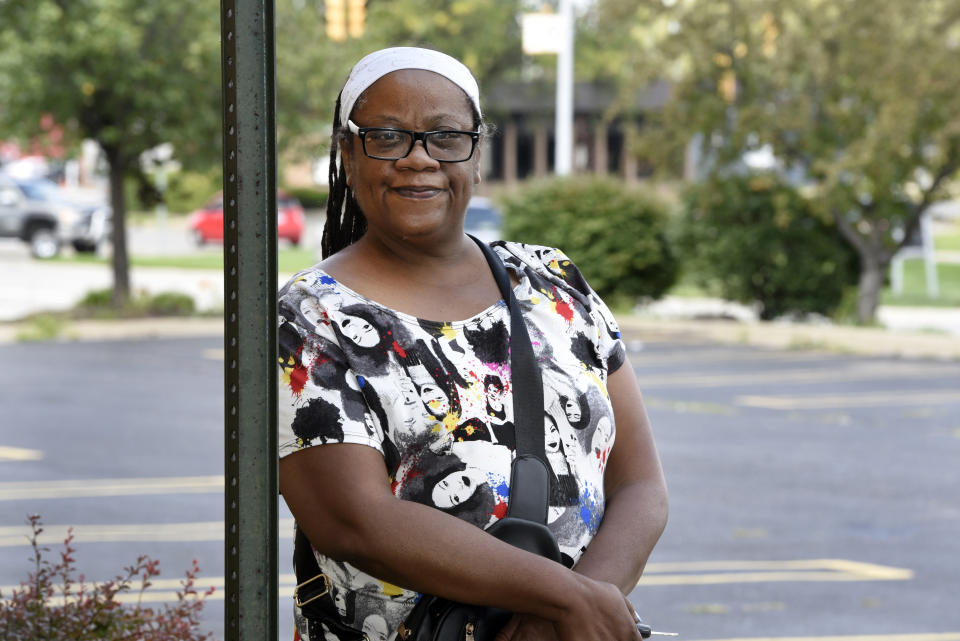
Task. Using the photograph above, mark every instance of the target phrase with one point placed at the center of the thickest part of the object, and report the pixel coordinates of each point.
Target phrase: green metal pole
(250, 318)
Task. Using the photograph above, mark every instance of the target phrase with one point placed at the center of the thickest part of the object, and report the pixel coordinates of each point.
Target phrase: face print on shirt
(576, 409)
(310, 309)
(358, 330)
(454, 489)
(375, 628)
(434, 400)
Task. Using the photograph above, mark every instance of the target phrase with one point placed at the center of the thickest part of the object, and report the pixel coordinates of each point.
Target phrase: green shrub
(42, 327)
(613, 232)
(756, 239)
(170, 304)
(98, 303)
(56, 604)
(97, 299)
(310, 197)
(190, 190)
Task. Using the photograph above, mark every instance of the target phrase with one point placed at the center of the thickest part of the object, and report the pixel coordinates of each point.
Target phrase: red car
(206, 224)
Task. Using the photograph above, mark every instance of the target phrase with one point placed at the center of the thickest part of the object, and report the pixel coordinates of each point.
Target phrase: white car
(37, 212)
(483, 220)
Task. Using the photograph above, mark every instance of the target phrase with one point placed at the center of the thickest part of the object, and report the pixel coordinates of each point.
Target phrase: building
(523, 115)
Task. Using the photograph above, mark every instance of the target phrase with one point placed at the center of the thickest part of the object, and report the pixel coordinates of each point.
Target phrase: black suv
(37, 212)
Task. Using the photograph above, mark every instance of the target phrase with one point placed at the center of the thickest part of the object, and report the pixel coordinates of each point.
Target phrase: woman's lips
(417, 193)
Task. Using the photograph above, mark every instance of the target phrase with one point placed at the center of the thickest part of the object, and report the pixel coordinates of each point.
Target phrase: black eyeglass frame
(414, 137)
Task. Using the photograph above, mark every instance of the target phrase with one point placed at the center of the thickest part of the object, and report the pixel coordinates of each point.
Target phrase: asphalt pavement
(813, 494)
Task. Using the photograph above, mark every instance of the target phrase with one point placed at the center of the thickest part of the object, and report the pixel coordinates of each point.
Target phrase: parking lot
(812, 495)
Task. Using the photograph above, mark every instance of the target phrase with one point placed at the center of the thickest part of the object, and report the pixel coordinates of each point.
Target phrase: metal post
(563, 153)
(250, 318)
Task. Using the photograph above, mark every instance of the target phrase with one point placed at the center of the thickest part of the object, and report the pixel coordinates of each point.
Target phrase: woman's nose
(418, 157)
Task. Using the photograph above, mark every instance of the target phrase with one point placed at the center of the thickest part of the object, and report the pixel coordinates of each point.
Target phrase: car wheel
(198, 238)
(295, 241)
(44, 243)
(85, 247)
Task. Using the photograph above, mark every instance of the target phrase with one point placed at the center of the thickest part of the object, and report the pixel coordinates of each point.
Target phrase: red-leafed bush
(54, 605)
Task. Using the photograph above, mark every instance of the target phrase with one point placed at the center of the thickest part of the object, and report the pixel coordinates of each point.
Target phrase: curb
(772, 335)
(128, 329)
(869, 341)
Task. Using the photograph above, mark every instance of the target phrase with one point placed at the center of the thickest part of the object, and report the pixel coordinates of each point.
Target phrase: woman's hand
(598, 612)
(527, 627)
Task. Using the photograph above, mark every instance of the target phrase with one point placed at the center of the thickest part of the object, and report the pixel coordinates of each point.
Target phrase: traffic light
(357, 17)
(336, 14)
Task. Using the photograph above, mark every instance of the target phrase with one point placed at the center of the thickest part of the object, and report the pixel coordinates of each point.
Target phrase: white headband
(379, 63)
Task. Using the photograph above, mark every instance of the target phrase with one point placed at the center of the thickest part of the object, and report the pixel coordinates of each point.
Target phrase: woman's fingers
(525, 627)
(507, 632)
(600, 613)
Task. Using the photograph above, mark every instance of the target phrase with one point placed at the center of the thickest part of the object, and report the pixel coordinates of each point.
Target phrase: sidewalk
(645, 326)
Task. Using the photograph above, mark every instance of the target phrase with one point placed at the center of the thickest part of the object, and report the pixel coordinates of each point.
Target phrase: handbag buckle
(326, 589)
(403, 632)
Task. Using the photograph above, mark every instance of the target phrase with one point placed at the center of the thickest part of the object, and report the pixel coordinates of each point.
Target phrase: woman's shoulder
(545, 262)
(312, 282)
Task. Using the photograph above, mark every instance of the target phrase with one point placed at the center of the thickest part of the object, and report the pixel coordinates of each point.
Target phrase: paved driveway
(812, 496)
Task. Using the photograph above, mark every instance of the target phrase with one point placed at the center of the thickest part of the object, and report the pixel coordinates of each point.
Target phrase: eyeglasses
(387, 143)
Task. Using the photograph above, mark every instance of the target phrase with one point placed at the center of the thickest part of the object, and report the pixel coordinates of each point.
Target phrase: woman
(380, 487)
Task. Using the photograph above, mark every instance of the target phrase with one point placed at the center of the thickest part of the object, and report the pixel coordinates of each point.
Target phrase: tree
(128, 74)
(311, 68)
(857, 99)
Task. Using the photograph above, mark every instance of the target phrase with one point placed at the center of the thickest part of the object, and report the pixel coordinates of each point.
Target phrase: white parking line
(83, 488)
(12, 536)
(855, 372)
(835, 401)
(19, 454)
(921, 636)
(724, 572)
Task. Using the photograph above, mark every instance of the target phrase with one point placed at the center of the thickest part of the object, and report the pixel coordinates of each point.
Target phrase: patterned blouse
(434, 398)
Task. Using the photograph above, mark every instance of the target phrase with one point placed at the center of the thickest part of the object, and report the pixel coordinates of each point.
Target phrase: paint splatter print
(436, 399)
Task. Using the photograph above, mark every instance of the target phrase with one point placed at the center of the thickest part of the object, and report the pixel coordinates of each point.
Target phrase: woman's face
(435, 400)
(415, 197)
(495, 397)
(375, 628)
(340, 601)
(453, 490)
(311, 310)
(601, 437)
(359, 331)
(551, 443)
(572, 409)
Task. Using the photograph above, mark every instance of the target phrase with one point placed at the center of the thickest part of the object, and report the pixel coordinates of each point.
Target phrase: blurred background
(765, 191)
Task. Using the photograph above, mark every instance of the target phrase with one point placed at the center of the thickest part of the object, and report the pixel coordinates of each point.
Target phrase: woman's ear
(477, 168)
(346, 161)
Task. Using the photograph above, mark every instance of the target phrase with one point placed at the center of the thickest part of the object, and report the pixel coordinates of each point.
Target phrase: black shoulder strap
(530, 477)
(530, 480)
(527, 385)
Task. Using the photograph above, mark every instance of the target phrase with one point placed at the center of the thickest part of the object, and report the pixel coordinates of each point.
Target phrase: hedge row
(752, 239)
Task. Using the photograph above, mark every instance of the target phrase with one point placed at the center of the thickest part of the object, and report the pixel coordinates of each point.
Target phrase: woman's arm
(340, 495)
(635, 513)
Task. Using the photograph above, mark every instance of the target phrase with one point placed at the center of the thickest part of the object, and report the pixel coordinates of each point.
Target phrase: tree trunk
(121, 263)
(868, 294)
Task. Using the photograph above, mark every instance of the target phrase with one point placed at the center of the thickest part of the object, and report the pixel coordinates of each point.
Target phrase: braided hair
(346, 223)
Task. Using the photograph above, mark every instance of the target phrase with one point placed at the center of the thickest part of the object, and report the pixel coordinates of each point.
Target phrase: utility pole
(248, 62)
(554, 33)
(563, 145)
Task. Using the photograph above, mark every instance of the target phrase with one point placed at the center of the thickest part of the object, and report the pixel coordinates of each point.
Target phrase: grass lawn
(915, 286)
(289, 260)
(949, 241)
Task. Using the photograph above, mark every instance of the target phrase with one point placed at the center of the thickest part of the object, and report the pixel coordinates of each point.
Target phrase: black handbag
(434, 618)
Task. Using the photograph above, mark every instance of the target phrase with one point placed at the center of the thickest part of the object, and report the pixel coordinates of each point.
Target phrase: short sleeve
(557, 267)
(609, 342)
(320, 398)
